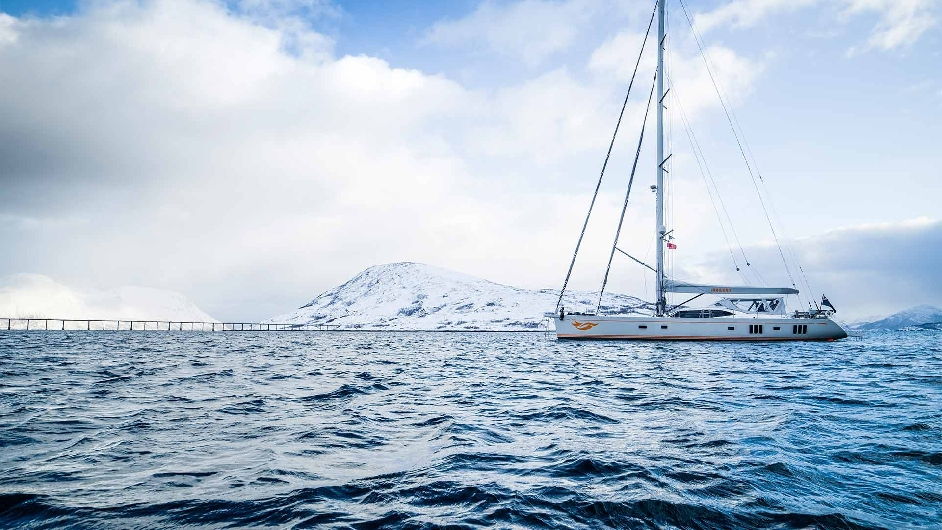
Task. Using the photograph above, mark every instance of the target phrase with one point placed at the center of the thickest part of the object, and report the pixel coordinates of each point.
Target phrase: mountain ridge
(925, 316)
(416, 296)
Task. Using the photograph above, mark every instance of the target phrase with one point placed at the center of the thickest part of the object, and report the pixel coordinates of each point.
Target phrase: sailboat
(743, 313)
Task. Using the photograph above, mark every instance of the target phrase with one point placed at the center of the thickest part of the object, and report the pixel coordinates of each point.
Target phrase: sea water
(363, 429)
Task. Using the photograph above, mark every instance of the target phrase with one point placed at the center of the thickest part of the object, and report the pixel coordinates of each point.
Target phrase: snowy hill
(38, 296)
(921, 315)
(413, 296)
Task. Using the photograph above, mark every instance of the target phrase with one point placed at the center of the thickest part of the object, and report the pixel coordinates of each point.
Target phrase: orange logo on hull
(584, 326)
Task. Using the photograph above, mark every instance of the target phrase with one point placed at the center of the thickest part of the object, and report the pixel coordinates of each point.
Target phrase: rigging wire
(704, 171)
(608, 154)
(775, 216)
(712, 181)
(624, 207)
(739, 142)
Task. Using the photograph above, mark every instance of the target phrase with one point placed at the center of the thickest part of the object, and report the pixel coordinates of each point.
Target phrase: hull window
(642, 327)
(800, 329)
(755, 329)
(663, 327)
(776, 328)
(731, 328)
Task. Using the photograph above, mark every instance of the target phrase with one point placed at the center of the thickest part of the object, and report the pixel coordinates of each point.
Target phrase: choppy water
(158, 429)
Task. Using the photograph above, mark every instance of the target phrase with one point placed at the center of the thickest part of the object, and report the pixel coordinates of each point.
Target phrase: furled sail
(674, 286)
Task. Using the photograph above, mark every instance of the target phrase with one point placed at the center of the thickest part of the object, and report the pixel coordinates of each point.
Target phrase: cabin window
(731, 328)
(776, 328)
(663, 327)
(755, 329)
(642, 327)
(800, 329)
(702, 313)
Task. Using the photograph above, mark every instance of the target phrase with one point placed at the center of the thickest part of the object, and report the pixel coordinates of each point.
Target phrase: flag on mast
(671, 245)
(827, 303)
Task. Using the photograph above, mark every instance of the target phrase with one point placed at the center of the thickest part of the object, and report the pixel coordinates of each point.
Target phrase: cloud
(181, 145)
(872, 269)
(547, 118)
(902, 22)
(279, 9)
(200, 149)
(528, 30)
(189, 148)
(38, 296)
(745, 13)
(687, 72)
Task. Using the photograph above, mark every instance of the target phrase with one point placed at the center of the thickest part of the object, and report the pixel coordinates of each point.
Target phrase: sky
(251, 154)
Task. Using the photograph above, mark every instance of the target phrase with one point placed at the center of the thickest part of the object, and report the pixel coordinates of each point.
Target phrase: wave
(430, 430)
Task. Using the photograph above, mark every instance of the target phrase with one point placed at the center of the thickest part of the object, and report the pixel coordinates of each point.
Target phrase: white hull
(625, 327)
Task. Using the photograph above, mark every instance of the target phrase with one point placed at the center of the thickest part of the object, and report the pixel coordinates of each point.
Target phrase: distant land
(415, 296)
(394, 296)
(922, 316)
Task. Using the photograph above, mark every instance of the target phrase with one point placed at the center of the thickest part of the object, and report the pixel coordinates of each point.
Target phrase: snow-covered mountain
(38, 296)
(413, 296)
(921, 315)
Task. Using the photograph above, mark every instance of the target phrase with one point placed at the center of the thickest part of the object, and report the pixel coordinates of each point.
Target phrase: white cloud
(287, 8)
(545, 119)
(868, 269)
(7, 29)
(38, 296)
(176, 144)
(901, 24)
(735, 74)
(530, 30)
(745, 13)
(617, 55)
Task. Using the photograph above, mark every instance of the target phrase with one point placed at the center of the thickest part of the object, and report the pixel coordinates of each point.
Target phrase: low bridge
(84, 324)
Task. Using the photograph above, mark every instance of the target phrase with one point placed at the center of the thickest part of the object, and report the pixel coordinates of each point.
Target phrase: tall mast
(660, 230)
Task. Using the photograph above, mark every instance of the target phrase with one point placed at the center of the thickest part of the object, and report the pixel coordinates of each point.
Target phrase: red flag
(671, 245)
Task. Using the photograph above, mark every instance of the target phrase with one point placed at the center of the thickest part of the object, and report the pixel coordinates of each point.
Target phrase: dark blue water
(158, 429)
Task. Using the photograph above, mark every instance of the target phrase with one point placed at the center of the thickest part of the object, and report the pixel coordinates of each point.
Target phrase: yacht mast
(660, 230)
